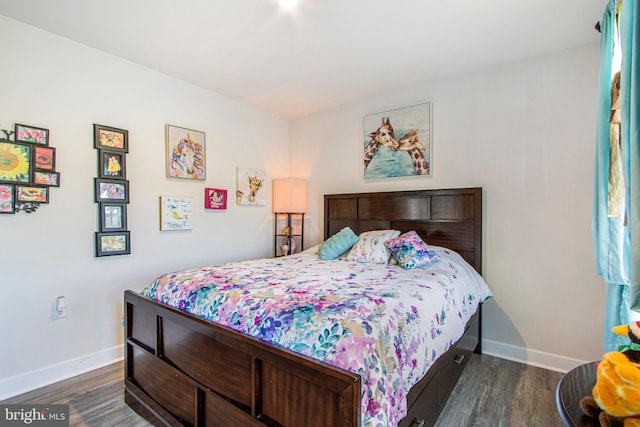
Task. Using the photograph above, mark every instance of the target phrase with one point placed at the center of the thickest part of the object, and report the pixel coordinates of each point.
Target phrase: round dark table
(573, 386)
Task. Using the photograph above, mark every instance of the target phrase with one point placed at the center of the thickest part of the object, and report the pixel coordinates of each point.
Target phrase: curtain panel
(617, 236)
(630, 137)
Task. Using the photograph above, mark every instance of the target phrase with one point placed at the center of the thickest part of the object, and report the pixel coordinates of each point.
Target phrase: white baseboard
(16, 385)
(527, 356)
(22, 383)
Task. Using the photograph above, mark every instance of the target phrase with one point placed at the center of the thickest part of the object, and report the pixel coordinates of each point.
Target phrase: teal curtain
(617, 239)
(630, 120)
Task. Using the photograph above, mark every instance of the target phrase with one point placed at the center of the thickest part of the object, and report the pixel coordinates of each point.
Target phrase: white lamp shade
(289, 195)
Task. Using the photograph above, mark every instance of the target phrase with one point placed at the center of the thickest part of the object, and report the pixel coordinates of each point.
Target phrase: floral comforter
(387, 324)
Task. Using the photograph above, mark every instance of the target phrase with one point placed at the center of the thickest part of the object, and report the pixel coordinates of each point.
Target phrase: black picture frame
(32, 134)
(32, 194)
(111, 190)
(113, 217)
(110, 138)
(112, 243)
(7, 199)
(48, 178)
(20, 156)
(112, 164)
(44, 158)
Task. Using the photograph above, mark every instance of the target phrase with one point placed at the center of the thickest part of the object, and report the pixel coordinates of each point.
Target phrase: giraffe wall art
(249, 187)
(398, 143)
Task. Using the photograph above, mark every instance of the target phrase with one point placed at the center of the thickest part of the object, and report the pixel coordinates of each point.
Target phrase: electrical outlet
(57, 313)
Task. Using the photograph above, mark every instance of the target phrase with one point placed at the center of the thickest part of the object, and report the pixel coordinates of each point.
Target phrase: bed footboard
(181, 370)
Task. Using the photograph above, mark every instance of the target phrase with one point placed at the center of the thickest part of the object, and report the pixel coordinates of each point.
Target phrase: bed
(181, 369)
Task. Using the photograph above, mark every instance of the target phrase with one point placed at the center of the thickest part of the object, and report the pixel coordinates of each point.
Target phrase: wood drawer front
(447, 370)
(468, 342)
(471, 337)
(225, 370)
(453, 365)
(427, 406)
(147, 371)
(427, 398)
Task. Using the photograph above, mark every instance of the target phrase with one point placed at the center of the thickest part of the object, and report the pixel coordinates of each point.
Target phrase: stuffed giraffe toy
(616, 394)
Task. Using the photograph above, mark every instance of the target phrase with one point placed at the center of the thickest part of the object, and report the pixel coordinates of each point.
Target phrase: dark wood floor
(492, 392)
(95, 398)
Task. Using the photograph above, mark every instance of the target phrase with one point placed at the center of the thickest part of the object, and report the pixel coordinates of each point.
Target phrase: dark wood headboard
(451, 218)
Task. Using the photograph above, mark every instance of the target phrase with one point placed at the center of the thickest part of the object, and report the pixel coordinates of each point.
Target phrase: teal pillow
(337, 244)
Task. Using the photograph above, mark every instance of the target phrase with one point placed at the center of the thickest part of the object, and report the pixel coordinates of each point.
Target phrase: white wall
(525, 133)
(50, 82)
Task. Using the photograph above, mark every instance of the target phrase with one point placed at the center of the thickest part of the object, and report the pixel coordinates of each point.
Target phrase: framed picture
(111, 164)
(107, 190)
(116, 243)
(114, 139)
(26, 193)
(113, 217)
(185, 153)
(215, 198)
(7, 199)
(398, 143)
(175, 213)
(248, 187)
(27, 133)
(44, 158)
(16, 162)
(51, 179)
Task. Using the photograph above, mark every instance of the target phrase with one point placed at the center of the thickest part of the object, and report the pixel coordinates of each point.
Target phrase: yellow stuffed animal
(616, 395)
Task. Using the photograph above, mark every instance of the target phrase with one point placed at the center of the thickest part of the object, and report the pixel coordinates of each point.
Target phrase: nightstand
(288, 233)
(574, 385)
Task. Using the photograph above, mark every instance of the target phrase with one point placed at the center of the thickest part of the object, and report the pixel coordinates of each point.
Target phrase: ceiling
(323, 53)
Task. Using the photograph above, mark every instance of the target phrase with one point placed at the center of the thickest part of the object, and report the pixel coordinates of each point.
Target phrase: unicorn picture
(185, 153)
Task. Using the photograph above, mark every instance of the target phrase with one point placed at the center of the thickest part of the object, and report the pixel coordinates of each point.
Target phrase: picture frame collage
(111, 189)
(28, 169)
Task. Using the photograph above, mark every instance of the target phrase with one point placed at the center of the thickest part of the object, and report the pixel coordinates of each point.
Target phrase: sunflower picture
(32, 194)
(15, 162)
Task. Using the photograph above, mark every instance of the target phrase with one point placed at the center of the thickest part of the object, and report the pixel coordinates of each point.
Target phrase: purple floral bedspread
(387, 324)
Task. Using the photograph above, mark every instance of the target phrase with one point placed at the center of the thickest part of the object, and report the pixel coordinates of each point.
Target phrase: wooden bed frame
(182, 370)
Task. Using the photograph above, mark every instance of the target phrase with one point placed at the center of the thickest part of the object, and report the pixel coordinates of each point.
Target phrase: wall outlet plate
(55, 314)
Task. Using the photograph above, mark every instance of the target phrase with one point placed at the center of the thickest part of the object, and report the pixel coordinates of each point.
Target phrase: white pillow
(313, 250)
(371, 248)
